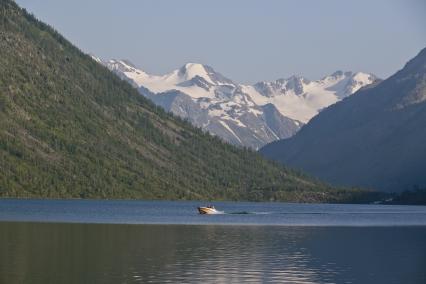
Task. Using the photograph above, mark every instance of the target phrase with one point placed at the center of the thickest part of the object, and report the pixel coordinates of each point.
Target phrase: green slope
(70, 128)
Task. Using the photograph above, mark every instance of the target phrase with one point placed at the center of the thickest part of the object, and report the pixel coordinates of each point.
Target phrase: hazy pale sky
(245, 40)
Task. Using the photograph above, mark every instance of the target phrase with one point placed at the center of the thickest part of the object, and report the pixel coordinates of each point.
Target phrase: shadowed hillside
(375, 138)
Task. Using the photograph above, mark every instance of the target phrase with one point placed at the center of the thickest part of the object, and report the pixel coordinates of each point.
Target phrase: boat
(207, 210)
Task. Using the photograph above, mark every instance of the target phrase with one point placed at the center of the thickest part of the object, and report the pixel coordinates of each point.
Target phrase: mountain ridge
(373, 139)
(225, 102)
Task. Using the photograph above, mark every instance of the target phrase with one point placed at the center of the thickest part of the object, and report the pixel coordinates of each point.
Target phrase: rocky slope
(375, 138)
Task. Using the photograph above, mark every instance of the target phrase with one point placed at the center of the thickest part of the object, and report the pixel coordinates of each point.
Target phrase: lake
(87, 241)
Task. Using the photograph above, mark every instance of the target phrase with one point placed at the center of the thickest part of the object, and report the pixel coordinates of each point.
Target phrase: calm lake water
(80, 241)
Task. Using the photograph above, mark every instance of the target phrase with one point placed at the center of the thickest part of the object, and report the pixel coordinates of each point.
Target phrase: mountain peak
(297, 79)
(193, 65)
(191, 70)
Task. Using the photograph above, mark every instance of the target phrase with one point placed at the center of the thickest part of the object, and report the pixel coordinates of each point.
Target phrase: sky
(245, 40)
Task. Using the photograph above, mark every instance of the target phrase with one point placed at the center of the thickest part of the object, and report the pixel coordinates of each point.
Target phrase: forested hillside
(69, 128)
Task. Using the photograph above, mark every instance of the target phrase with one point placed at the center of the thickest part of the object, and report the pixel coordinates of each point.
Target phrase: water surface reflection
(101, 253)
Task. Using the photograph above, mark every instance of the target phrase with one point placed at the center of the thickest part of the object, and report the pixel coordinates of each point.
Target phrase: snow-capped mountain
(246, 115)
(301, 99)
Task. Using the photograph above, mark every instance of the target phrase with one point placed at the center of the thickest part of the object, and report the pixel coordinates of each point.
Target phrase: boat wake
(248, 213)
